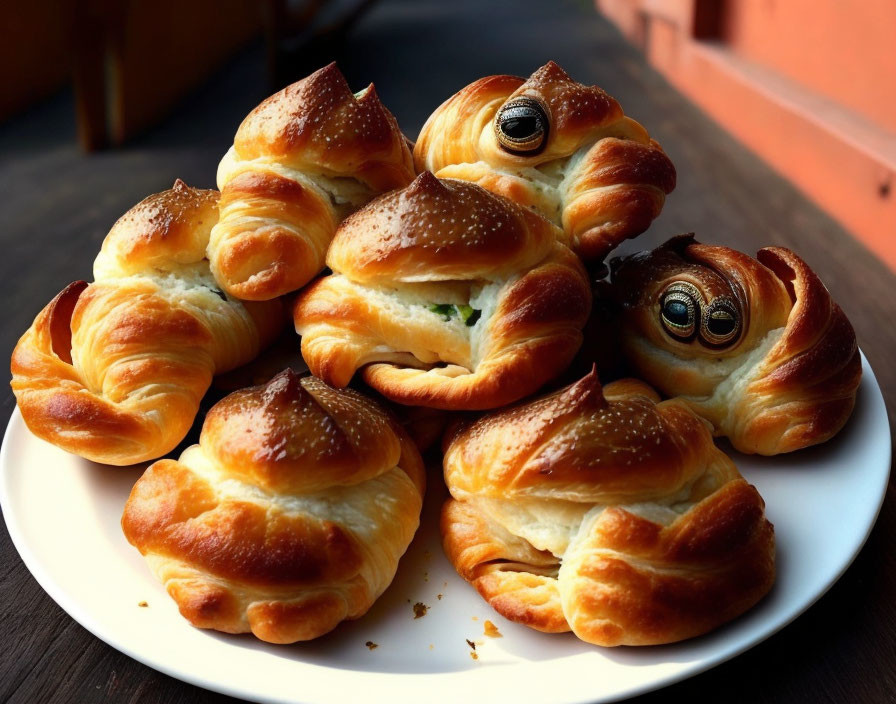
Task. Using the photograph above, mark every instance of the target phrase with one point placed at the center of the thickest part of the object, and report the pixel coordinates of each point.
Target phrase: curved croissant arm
(288, 517)
(114, 371)
(301, 161)
(554, 145)
(781, 376)
(804, 391)
(613, 516)
(532, 336)
(529, 330)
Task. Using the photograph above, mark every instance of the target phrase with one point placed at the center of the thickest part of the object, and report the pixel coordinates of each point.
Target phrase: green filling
(466, 313)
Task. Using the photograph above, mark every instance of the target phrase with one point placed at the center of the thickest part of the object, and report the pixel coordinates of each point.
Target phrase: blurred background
(780, 116)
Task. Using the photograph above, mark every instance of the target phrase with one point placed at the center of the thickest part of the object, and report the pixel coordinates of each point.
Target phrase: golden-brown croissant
(562, 148)
(288, 517)
(445, 296)
(607, 514)
(756, 346)
(114, 370)
(300, 162)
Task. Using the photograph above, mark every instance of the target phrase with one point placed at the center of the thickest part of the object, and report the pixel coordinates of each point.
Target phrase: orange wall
(843, 49)
(810, 86)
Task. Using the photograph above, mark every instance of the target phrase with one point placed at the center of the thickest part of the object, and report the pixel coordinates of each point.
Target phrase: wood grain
(57, 205)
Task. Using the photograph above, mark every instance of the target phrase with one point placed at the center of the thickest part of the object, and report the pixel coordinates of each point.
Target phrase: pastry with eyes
(446, 296)
(756, 346)
(288, 517)
(300, 162)
(606, 513)
(564, 149)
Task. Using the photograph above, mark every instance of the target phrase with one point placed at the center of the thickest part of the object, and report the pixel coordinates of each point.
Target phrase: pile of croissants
(438, 287)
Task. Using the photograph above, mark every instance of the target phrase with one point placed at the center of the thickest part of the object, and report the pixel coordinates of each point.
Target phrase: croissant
(300, 162)
(564, 149)
(446, 296)
(288, 517)
(114, 370)
(607, 514)
(756, 346)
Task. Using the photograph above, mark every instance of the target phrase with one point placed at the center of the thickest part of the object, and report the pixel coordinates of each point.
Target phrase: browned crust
(643, 585)
(318, 122)
(583, 444)
(625, 580)
(298, 434)
(164, 230)
(438, 229)
(261, 262)
(174, 513)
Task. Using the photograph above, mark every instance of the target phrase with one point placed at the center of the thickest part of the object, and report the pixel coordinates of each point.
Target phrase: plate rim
(82, 616)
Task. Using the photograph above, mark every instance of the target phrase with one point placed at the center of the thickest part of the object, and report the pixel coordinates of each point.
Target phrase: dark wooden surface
(58, 204)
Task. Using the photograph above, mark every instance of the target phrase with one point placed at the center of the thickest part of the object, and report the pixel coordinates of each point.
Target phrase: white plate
(63, 515)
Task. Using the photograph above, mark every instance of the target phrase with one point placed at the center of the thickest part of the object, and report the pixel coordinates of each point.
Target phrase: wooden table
(58, 204)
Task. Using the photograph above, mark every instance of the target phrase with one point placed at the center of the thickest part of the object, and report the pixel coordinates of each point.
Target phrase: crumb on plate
(491, 630)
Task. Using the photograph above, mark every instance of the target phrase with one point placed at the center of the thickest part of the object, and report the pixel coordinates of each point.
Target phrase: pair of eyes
(684, 315)
(522, 125)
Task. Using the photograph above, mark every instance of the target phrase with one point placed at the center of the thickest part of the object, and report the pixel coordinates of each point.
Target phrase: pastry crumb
(371, 645)
(491, 630)
(474, 655)
(470, 643)
(475, 618)
(431, 646)
(439, 597)
(142, 604)
(420, 609)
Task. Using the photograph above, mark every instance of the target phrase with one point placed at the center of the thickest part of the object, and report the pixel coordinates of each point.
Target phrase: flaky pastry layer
(608, 514)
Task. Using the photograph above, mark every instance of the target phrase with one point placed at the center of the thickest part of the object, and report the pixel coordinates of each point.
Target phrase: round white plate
(63, 515)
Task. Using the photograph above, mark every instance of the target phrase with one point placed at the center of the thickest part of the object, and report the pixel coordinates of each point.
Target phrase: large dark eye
(720, 323)
(521, 126)
(679, 306)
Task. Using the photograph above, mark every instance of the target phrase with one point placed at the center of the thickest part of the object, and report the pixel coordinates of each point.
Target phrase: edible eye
(720, 323)
(678, 310)
(521, 126)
